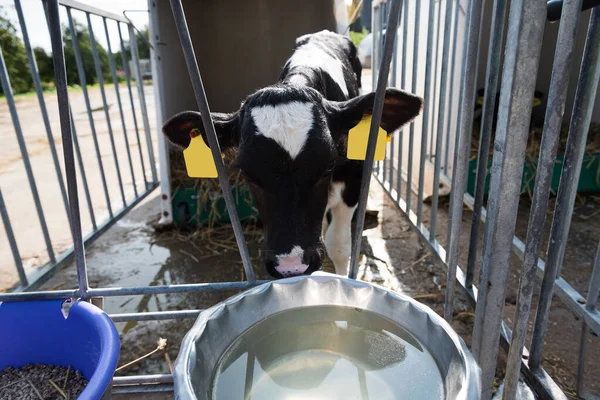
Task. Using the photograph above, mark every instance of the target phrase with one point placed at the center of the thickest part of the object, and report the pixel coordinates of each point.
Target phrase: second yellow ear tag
(358, 138)
(198, 159)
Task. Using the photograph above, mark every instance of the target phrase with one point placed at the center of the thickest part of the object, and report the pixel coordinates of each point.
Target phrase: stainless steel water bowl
(214, 339)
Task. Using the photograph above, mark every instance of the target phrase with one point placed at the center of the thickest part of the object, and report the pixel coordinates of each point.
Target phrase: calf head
(289, 140)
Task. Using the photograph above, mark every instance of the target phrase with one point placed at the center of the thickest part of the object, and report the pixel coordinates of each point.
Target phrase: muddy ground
(131, 253)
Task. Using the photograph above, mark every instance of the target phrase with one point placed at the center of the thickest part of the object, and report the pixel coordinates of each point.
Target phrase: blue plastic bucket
(39, 332)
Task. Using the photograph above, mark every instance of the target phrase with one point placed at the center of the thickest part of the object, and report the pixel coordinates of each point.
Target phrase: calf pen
(427, 140)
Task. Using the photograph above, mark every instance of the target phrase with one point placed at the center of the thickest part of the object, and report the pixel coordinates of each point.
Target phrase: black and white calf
(291, 140)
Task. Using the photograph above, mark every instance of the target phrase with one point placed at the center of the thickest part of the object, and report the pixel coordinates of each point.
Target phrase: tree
(143, 48)
(87, 57)
(45, 65)
(15, 56)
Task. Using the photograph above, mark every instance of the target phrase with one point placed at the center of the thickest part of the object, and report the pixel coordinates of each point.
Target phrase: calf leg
(338, 237)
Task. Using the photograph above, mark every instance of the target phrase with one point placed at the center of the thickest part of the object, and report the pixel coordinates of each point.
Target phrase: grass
(76, 88)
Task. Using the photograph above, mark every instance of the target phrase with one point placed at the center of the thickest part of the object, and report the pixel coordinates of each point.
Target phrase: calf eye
(327, 172)
(330, 168)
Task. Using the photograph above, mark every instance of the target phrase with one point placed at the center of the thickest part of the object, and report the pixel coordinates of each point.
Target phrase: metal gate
(448, 85)
(111, 187)
(520, 62)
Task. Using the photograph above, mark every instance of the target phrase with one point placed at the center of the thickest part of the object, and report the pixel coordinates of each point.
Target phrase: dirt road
(15, 186)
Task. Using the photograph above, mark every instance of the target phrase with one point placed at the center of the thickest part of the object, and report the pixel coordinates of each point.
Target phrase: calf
(291, 139)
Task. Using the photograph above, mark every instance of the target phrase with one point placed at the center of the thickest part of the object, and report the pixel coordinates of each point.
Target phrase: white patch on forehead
(287, 124)
(310, 55)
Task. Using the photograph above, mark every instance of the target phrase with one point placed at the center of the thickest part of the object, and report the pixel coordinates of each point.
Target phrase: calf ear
(399, 109)
(180, 128)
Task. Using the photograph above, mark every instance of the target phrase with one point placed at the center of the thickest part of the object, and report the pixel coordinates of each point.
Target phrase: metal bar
(461, 168)
(393, 20)
(86, 97)
(12, 242)
(487, 118)
(547, 157)
(139, 83)
(155, 316)
(105, 104)
(541, 382)
(40, 95)
(192, 65)
(377, 26)
(129, 291)
(394, 72)
(468, 138)
(93, 10)
(10, 100)
(149, 388)
(41, 275)
(41, 295)
(60, 80)
(583, 345)
(526, 22)
(451, 80)
(564, 290)
(434, 114)
(133, 113)
(569, 179)
(426, 111)
(164, 289)
(113, 71)
(403, 85)
(84, 181)
(413, 87)
(594, 287)
(160, 111)
(392, 144)
(142, 379)
(441, 117)
(249, 376)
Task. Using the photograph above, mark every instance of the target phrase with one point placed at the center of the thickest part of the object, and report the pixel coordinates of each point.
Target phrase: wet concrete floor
(132, 254)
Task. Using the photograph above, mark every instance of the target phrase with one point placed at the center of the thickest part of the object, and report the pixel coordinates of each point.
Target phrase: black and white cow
(291, 139)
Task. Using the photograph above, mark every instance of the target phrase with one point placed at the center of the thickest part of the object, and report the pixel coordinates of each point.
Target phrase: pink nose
(291, 266)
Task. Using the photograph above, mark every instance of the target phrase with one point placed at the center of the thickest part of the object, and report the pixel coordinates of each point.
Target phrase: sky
(38, 29)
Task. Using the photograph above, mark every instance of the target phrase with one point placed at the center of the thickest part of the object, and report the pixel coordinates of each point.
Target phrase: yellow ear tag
(198, 159)
(358, 138)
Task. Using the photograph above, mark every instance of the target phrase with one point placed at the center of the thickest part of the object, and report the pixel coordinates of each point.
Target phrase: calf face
(290, 142)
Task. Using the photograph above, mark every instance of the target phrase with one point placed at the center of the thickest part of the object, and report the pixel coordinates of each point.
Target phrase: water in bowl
(327, 352)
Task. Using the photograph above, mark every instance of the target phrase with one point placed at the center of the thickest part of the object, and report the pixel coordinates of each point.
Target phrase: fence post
(426, 110)
(384, 70)
(60, 75)
(526, 22)
(460, 172)
(545, 169)
(139, 83)
(569, 180)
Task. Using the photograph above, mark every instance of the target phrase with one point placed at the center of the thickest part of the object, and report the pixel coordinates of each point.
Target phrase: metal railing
(448, 107)
(140, 168)
(521, 58)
